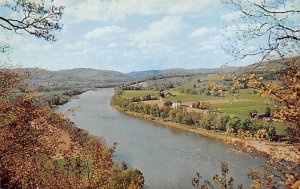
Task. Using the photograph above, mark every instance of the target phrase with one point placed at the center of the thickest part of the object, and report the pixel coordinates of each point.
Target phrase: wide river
(168, 157)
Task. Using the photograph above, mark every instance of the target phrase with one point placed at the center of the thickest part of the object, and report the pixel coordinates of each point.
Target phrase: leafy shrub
(253, 113)
(246, 124)
(168, 104)
(233, 125)
(268, 111)
(223, 122)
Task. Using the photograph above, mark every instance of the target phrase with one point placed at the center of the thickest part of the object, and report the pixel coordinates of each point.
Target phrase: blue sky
(127, 35)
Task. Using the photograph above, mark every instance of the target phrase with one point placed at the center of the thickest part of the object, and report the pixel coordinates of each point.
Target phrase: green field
(241, 109)
(130, 93)
(190, 98)
(252, 101)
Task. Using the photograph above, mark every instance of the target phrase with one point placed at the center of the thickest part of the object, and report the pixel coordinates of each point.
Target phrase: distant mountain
(271, 65)
(88, 78)
(258, 68)
(175, 72)
(143, 74)
(78, 78)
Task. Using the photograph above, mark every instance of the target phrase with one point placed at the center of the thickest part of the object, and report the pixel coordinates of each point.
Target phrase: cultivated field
(227, 105)
(241, 106)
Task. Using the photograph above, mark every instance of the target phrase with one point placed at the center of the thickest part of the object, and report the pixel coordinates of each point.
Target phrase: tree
(223, 122)
(233, 125)
(33, 152)
(223, 181)
(168, 104)
(253, 113)
(270, 33)
(268, 111)
(26, 143)
(39, 18)
(272, 22)
(246, 124)
(271, 28)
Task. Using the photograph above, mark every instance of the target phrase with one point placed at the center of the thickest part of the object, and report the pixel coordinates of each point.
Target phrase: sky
(131, 35)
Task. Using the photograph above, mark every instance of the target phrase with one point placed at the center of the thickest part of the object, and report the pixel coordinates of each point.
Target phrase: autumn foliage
(41, 149)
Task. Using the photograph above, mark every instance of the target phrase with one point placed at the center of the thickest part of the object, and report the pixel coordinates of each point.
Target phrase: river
(168, 157)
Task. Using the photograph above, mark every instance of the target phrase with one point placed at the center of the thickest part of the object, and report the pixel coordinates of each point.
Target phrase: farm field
(139, 93)
(240, 106)
(190, 98)
(226, 105)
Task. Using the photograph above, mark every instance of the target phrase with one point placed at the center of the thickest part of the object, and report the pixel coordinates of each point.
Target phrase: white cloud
(159, 29)
(203, 31)
(212, 43)
(119, 9)
(112, 45)
(48, 47)
(10, 38)
(30, 47)
(231, 16)
(64, 3)
(186, 6)
(15, 39)
(76, 46)
(104, 31)
(238, 29)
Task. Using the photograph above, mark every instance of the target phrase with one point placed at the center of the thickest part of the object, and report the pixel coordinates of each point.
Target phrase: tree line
(208, 119)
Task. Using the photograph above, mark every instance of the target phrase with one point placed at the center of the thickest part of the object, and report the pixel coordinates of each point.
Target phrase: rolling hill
(74, 78)
(89, 78)
(174, 72)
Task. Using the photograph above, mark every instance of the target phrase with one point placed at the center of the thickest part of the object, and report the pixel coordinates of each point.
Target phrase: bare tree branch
(33, 17)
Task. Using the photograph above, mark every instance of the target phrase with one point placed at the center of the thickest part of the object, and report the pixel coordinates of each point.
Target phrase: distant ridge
(73, 78)
(88, 77)
(144, 74)
(175, 72)
(259, 68)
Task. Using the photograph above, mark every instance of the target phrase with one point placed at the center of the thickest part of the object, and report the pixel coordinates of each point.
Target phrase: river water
(168, 157)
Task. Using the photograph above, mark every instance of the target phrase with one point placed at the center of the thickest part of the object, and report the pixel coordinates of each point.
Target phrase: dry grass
(153, 102)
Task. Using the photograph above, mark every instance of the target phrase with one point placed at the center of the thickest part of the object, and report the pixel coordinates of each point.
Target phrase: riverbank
(59, 98)
(167, 157)
(276, 150)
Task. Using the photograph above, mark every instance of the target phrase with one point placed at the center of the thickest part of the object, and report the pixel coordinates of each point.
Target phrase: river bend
(168, 157)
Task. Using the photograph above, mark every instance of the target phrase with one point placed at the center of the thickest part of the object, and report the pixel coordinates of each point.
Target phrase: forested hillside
(42, 79)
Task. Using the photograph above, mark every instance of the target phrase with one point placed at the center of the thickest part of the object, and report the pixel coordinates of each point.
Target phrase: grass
(190, 98)
(241, 109)
(250, 103)
(280, 128)
(58, 92)
(235, 108)
(130, 93)
(249, 94)
(62, 162)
